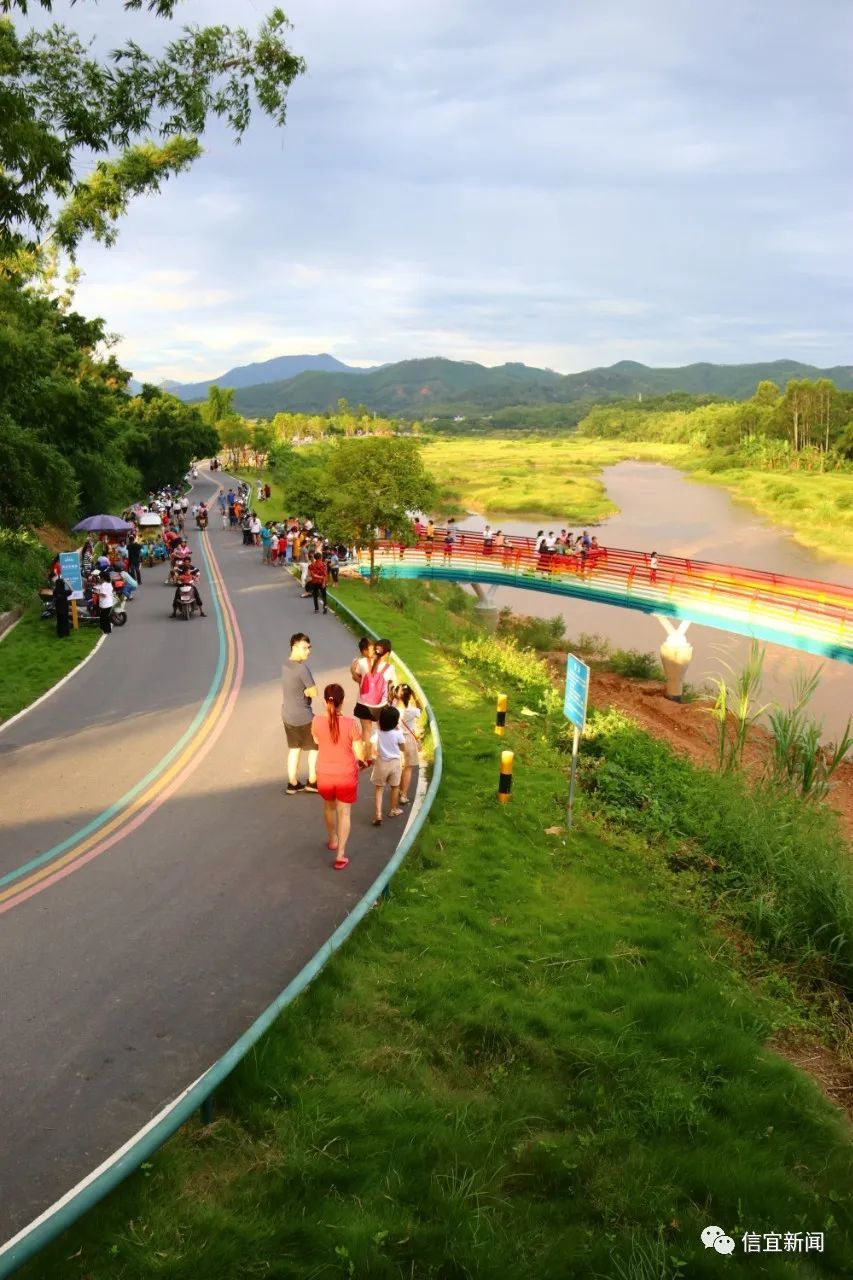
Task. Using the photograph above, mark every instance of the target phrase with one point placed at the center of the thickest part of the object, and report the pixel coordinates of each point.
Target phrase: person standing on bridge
(297, 690)
(340, 756)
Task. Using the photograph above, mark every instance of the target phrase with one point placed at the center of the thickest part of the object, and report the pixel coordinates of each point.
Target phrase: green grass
(558, 478)
(32, 659)
(273, 509)
(537, 1058)
(817, 508)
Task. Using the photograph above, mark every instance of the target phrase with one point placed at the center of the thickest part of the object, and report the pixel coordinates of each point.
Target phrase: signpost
(69, 567)
(574, 709)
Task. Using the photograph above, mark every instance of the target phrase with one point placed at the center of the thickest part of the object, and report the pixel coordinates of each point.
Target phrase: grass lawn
(32, 659)
(818, 509)
(274, 508)
(536, 1059)
(531, 477)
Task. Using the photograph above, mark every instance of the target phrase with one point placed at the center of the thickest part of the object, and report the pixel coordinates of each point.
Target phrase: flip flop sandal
(377, 822)
(340, 863)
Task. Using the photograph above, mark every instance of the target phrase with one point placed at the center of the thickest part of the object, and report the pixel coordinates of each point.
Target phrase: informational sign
(577, 691)
(574, 709)
(69, 567)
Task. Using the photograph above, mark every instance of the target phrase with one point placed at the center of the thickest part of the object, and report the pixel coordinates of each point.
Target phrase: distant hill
(249, 375)
(425, 388)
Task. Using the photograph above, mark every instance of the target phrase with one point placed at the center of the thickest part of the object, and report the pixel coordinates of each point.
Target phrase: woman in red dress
(340, 757)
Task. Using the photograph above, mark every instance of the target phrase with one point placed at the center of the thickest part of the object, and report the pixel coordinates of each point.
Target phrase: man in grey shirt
(297, 690)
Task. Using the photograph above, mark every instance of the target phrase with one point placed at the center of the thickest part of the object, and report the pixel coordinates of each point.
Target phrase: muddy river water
(661, 510)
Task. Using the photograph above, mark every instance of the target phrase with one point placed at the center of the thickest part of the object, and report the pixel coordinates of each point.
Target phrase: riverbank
(540, 1056)
(817, 508)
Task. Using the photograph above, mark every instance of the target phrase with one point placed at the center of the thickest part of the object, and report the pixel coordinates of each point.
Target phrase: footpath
(157, 887)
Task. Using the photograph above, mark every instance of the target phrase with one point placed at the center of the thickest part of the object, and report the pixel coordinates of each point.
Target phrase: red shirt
(318, 572)
(336, 762)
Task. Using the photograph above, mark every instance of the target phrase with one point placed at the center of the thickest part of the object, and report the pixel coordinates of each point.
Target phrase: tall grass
(735, 711)
(797, 759)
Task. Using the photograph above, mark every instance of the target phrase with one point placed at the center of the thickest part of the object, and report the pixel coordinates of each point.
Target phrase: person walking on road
(339, 758)
(374, 691)
(297, 690)
(318, 576)
(134, 557)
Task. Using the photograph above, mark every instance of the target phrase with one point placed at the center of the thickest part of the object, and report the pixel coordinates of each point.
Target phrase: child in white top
(410, 719)
(389, 742)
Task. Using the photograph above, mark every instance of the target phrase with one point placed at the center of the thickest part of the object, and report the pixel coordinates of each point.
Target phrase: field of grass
(32, 659)
(536, 1058)
(531, 477)
(818, 509)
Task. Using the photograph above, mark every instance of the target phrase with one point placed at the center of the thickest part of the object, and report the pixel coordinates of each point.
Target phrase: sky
(566, 183)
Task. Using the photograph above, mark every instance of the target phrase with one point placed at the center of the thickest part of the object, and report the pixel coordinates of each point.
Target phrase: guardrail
(61, 1215)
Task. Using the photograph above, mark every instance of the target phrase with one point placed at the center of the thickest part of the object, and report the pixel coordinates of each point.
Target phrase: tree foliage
(59, 105)
(162, 435)
(808, 426)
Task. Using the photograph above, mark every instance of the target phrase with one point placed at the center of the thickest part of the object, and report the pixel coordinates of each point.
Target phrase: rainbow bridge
(813, 616)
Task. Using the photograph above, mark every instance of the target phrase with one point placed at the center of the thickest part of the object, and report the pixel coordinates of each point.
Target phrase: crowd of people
(382, 734)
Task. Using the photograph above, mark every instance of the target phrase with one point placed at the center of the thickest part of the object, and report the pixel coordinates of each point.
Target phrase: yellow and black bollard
(500, 718)
(505, 779)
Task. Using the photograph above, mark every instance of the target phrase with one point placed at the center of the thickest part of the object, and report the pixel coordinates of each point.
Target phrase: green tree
(163, 435)
(375, 484)
(59, 105)
(219, 404)
(262, 441)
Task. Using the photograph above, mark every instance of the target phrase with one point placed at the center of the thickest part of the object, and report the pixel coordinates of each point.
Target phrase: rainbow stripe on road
(170, 772)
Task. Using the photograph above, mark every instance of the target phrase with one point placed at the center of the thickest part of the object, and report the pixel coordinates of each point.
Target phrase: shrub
(777, 865)
(633, 663)
(502, 661)
(23, 564)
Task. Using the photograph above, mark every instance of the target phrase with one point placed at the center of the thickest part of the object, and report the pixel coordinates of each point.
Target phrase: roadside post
(574, 709)
(500, 715)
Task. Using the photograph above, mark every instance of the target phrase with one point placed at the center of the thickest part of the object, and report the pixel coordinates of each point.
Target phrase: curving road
(157, 887)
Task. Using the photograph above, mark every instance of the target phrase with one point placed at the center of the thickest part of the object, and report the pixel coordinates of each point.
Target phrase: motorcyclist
(187, 578)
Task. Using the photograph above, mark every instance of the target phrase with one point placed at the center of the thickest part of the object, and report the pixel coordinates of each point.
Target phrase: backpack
(373, 690)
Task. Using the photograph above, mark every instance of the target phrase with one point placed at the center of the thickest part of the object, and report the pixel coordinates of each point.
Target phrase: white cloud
(568, 185)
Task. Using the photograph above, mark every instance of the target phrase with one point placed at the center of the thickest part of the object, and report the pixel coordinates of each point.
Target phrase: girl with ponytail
(341, 755)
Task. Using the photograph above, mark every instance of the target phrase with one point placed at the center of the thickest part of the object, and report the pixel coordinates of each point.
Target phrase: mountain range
(435, 386)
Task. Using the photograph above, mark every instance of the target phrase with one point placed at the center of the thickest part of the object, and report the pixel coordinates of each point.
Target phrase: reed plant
(735, 710)
(797, 759)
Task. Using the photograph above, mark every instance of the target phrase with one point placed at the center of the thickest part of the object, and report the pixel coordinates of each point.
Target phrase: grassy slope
(533, 1060)
(32, 659)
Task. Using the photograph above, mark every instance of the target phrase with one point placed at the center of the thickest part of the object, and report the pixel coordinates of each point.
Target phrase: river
(661, 510)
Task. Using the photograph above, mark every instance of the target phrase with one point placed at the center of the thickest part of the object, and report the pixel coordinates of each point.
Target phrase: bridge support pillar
(675, 655)
(485, 605)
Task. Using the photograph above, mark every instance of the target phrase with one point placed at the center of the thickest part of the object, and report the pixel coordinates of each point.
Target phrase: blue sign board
(69, 567)
(577, 690)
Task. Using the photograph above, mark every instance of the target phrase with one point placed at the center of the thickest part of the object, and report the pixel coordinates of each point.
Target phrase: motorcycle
(187, 603)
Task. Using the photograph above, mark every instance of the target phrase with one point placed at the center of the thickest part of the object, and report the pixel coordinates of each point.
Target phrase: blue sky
(564, 183)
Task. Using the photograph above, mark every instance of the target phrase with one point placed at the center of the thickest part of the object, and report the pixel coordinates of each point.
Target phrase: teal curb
(33, 1239)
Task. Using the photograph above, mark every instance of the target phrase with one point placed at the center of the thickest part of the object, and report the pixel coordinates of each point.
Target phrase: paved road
(182, 888)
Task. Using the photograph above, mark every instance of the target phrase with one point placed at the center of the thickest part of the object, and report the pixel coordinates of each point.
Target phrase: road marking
(134, 808)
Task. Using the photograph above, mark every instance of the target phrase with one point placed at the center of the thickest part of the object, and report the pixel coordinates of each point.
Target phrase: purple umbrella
(102, 524)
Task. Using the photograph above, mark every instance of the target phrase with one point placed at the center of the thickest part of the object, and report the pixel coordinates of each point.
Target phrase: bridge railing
(823, 607)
